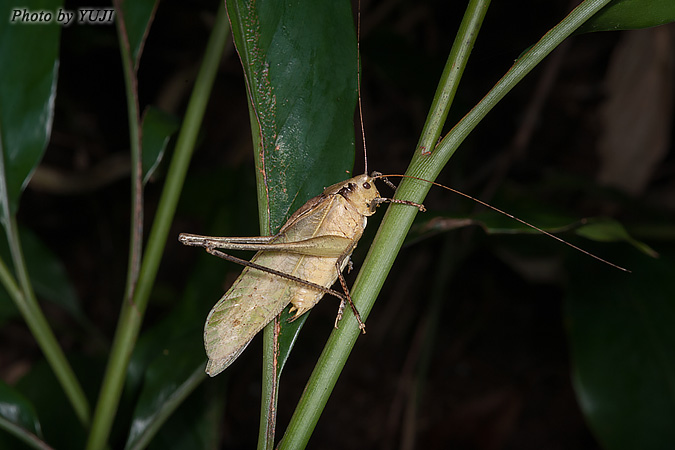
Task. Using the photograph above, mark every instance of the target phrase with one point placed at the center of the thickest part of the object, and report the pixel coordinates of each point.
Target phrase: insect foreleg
(384, 179)
(400, 202)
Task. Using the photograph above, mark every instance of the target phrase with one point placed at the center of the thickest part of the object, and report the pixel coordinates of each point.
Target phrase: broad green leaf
(631, 14)
(621, 334)
(300, 64)
(288, 334)
(27, 92)
(158, 127)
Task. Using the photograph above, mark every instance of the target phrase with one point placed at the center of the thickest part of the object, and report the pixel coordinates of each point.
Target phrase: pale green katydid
(297, 266)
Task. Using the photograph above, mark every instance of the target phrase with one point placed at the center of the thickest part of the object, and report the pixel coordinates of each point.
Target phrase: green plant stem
(134, 118)
(9, 283)
(452, 74)
(270, 386)
(108, 398)
(342, 340)
(24, 298)
(132, 312)
(398, 219)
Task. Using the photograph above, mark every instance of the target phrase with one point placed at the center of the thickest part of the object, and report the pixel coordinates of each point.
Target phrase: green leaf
(608, 230)
(491, 222)
(289, 331)
(300, 65)
(17, 415)
(631, 14)
(138, 16)
(48, 276)
(158, 127)
(621, 334)
(27, 92)
(195, 425)
(60, 425)
(299, 59)
(171, 376)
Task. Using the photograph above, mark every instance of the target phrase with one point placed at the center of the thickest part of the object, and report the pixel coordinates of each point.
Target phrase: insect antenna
(511, 216)
(358, 86)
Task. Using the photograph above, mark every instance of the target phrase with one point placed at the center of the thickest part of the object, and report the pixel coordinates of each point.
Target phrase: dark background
(498, 377)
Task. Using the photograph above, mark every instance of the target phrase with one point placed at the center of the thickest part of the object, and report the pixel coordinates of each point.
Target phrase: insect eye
(366, 185)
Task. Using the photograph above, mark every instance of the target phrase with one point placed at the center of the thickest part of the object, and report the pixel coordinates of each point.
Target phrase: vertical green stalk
(452, 74)
(270, 386)
(132, 311)
(342, 340)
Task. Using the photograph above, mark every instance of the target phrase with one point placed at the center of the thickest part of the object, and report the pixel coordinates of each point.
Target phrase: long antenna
(510, 216)
(358, 84)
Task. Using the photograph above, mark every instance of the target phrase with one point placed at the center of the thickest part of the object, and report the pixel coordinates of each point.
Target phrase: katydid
(297, 266)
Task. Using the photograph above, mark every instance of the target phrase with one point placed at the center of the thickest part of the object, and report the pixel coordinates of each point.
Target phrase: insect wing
(252, 302)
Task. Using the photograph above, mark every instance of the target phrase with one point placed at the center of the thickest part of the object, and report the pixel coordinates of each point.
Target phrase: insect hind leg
(344, 298)
(277, 273)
